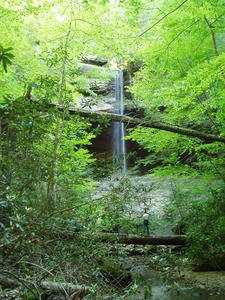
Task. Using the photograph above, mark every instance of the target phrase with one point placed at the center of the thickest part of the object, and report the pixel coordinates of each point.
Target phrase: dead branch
(213, 35)
(70, 288)
(156, 23)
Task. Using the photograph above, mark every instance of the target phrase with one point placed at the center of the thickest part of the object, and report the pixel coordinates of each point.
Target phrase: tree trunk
(70, 288)
(143, 240)
(207, 137)
(62, 287)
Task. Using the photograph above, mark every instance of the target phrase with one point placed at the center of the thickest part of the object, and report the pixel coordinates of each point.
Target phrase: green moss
(114, 271)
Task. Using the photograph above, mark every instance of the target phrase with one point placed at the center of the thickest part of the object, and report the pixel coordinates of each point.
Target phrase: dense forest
(112, 158)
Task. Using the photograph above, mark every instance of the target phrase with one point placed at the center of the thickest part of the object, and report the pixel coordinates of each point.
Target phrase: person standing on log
(146, 221)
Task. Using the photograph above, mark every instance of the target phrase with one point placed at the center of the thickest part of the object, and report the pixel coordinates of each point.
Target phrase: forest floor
(78, 259)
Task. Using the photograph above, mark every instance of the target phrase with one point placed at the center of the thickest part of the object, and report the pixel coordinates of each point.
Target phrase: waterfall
(119, 146)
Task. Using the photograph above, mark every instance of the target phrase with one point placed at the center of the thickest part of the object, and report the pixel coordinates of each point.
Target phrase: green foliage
(103, 167)
(45, 164)
(111, 211)
(148, 292)
(117, 275)
(182, 85)
(199, 213)
(27, 146)
(206, 236)
(116, 210)
(6, 57)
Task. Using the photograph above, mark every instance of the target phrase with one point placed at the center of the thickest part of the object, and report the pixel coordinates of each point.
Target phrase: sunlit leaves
(6, 57)
(182, 79)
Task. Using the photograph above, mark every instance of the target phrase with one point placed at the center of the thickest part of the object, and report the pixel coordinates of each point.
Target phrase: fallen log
(143, 240)
(207, 137)
(70, 288)
(54, 286)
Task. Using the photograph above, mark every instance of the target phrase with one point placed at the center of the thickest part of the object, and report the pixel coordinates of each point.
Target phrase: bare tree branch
(71, 208)
(156, 23)
(180, 33)
(213, 35)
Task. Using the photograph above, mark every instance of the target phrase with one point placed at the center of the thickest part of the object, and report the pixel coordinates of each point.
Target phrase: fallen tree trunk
(61, 287)
(143, 240)
(70, 288)
(207, 137)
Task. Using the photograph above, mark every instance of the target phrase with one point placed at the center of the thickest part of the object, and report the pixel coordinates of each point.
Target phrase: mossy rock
(115, 272)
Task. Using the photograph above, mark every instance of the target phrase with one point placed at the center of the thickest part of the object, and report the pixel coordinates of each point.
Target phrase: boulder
(105, 103)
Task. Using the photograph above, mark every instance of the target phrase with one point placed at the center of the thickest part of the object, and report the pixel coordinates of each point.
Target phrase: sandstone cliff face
(98, 93)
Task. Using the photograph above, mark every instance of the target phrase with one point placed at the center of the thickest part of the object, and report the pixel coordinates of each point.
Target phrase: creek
(161, 292)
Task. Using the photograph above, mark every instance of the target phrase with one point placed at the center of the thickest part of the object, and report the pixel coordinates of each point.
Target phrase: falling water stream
(119, 146)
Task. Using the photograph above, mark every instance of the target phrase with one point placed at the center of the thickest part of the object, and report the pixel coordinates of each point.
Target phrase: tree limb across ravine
(207, 137)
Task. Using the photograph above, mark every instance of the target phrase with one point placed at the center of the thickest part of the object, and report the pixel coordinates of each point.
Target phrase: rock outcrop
(94, 60)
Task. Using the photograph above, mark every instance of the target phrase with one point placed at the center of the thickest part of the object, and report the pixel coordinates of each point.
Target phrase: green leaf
(4, 65)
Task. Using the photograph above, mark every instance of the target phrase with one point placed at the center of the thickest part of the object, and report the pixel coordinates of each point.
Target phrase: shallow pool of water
(160, 292)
